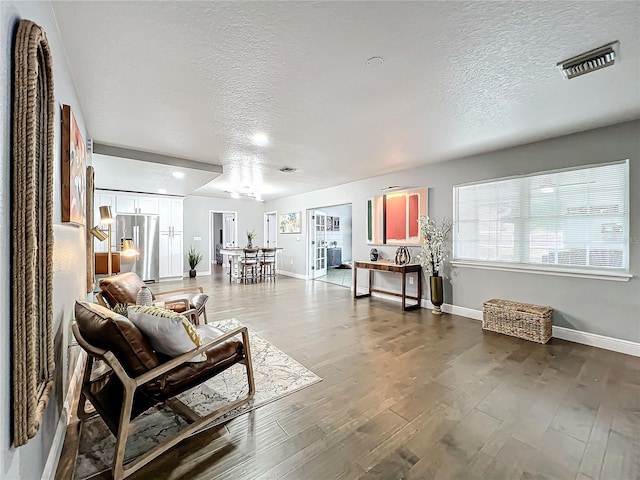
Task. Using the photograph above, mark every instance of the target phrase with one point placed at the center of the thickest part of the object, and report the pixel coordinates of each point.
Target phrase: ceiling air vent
(590, 61)
(288, 169)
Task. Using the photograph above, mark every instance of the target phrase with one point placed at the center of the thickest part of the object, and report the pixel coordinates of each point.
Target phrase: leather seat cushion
(188, 375)
(106, 329)
(121, 288)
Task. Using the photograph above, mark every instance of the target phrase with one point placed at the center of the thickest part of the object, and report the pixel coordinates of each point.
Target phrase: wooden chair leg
(123, 432)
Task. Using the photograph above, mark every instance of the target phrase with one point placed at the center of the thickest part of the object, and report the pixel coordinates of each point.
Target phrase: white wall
(28, 462)
(196, 224)
(597, 306)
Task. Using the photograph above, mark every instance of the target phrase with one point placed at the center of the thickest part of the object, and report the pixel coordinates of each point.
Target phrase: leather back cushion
(106, 329)
(121, 288)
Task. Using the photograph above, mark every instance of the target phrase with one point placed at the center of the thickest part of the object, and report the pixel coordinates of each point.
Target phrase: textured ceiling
(198, 79)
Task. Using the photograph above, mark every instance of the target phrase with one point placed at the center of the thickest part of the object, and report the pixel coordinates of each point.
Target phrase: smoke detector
(590, 61)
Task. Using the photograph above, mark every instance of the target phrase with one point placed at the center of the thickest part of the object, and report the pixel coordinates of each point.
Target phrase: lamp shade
(128, 249)
(105, 214)
(99, 234)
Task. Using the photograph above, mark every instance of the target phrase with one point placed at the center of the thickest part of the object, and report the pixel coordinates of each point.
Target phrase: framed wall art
(74, 164)
(291, 222)
(392, 219)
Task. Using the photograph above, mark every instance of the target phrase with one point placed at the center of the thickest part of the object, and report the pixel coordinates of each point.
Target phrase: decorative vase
(249, 243)
(436, 293)
(374, 255)
(403, 256)
(144, 296)
(192, 273)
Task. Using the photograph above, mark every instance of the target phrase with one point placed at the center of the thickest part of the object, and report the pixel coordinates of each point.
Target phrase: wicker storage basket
(522, 320)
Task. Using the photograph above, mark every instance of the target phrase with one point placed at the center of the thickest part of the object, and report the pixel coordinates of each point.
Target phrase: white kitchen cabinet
(170, 214)
(169, 211)
(142, 204)
(170, 254)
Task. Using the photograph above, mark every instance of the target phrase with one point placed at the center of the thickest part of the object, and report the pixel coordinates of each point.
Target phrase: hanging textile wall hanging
(88, 237)
(32, 231)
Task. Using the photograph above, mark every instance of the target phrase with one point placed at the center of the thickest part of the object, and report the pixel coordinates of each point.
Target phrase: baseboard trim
(577, 336)
(292, 274)
(55, 451)
(595, 340)
(199, 274)
(53, 458)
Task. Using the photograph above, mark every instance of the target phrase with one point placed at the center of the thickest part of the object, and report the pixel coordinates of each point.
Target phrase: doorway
(330, 244)
(223, 232)
(271, 229)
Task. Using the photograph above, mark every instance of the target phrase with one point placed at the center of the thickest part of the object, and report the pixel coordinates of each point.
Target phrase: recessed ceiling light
(177, 174)
(235, 195)
(260, 139)
(162, 190)
(288, 169)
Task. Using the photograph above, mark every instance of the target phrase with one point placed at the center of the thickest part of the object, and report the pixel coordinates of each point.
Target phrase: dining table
(234, 255)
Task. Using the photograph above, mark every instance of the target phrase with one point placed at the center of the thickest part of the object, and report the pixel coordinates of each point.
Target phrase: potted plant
(433, 255)
(251, 235)
(194, 259)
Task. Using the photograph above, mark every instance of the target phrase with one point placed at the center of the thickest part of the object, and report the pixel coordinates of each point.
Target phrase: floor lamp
(106, 219)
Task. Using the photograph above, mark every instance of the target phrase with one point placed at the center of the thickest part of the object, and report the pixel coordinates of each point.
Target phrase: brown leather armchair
(139, 378)
(124, 288)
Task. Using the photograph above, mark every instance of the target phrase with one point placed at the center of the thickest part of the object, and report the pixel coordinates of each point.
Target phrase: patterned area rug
(276, 375)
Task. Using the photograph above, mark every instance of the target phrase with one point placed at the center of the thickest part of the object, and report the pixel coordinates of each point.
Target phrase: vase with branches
(251, 235)
(433, 254)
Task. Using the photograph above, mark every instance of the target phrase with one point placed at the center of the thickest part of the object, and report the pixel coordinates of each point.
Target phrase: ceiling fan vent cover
(590, 61)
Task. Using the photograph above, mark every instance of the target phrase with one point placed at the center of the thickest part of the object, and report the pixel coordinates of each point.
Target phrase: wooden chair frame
(130, 385)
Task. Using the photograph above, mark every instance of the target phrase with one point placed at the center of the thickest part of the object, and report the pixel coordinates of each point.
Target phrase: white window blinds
(576, 218)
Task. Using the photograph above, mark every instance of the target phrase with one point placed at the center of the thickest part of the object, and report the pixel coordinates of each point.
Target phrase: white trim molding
(595, 340)
(577, 336)
(541, 270)
(53, 458)
(198, 274)
(292, 274)
(563, 333)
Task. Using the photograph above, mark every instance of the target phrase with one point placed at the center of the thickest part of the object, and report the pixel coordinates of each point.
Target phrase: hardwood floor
(412, 396)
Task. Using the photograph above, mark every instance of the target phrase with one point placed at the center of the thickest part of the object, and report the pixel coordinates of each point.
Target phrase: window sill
(539, 270)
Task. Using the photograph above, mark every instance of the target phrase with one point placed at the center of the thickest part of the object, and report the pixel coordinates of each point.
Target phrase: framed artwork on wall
(291, 222)
(74, 164)
(392, 219)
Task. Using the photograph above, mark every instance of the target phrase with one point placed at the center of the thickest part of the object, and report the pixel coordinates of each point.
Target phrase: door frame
(211, 212)
(311, 236)
(266, 226)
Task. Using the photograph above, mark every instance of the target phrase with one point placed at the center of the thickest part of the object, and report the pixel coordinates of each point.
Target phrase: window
(567, 220)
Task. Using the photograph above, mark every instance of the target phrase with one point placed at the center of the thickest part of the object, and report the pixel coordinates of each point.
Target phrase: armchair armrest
(185, 357)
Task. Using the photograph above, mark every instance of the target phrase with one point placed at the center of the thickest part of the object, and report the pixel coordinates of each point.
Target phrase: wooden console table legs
(390, 267)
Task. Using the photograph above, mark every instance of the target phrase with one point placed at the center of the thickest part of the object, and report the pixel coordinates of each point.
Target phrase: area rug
(276, 375)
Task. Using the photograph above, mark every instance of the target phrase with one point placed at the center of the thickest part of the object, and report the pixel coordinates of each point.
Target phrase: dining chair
(249, 265)
(268, 263)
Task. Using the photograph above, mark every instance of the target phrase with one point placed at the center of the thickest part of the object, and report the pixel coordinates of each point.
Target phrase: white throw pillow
(169, 332)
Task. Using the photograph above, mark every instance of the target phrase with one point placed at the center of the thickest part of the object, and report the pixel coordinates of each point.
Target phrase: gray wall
(28, 462)
(597, 306)
(250, 216)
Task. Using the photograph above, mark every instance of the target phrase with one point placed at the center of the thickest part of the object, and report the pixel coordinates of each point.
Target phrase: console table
(382, 266)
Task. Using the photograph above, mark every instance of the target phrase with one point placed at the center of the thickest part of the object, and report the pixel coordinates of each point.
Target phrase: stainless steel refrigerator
(144, 230)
